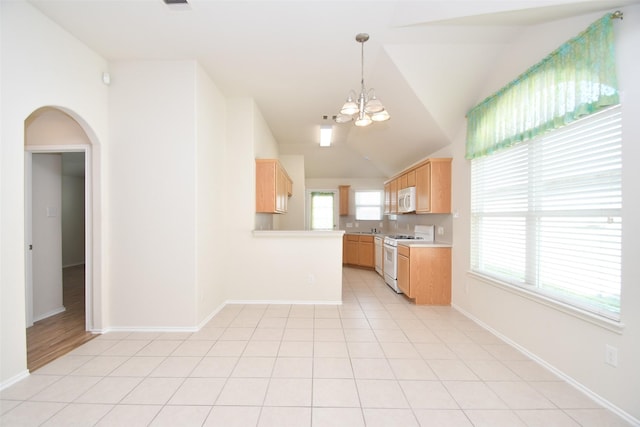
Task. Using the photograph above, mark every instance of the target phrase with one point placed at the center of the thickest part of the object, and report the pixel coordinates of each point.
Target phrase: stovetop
(404, 237)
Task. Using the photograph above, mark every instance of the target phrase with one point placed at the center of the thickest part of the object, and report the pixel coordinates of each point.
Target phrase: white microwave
(407, 200)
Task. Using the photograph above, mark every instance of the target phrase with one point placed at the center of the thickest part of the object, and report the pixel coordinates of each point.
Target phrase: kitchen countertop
(365, 233)
(418, 244)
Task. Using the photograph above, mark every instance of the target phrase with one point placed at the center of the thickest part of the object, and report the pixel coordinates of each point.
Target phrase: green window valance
(577, 79)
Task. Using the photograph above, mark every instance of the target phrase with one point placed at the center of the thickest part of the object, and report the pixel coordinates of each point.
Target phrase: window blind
(546, 214)
(368, 205)
(321, 210)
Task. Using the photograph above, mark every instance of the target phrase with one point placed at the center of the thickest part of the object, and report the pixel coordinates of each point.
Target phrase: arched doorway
(60, 293)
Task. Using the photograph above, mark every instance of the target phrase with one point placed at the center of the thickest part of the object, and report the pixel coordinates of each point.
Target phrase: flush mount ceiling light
(364, 108)
(325, 135)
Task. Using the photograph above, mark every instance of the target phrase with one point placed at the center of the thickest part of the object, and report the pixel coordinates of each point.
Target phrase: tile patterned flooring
(376, 360)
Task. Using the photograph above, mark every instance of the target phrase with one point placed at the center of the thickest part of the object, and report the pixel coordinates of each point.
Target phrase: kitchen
(215, 201)
(421, 192)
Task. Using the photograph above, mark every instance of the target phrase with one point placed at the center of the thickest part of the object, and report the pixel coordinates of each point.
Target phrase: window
(369, 205)
(322, 210)
(546, 214)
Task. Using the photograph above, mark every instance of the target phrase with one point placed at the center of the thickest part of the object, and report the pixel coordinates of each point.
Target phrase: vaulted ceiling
(427, 61)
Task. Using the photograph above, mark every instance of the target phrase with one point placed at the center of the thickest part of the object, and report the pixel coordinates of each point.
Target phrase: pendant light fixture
(364, 108)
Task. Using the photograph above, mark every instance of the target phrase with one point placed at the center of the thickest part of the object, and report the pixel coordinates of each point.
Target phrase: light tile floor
(376, 360)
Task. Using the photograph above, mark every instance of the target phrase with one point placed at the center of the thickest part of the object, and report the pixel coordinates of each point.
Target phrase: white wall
(152, 180)
(270, 267)
(567, 343)
(47, 235)
(212, 213)
(36, 58)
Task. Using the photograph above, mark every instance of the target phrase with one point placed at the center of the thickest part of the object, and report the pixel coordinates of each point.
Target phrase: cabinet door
(440, 176)
(344, 199)
(352, 250)
(402, 183)
(393, 194)
(365, 254)
(423, 188)
(387, 198)
(404, 275)
(431, 274)
(281, 190)
(411, 178)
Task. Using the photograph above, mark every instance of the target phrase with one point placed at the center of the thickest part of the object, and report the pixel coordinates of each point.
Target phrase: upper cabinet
(344, 199)
(432, 179)
(273, 186)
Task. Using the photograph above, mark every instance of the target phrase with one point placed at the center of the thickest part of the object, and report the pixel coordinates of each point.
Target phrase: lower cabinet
(358, 250)
(351, 249)
(424, 274)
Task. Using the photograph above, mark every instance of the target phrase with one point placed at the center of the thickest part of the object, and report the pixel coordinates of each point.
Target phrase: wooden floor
(54, 336)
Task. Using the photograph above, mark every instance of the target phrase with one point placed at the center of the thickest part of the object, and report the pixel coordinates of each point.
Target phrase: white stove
(422, 233)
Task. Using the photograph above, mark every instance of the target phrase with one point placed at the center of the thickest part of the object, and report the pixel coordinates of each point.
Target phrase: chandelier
(364, 108)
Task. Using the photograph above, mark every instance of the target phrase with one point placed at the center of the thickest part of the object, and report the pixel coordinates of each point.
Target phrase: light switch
(52, 211)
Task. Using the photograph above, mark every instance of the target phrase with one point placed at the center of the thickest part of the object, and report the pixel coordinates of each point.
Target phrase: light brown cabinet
(403, 182)
(358, 250)
(273, 186)
(411, 178)
(344, 199)
(424, 274)
(387, 198)
(433, 186)
(393, 196)
(365, 252)
(432, 179)
(351, 249)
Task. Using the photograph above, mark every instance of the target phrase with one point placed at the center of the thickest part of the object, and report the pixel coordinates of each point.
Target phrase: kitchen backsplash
(402, 224)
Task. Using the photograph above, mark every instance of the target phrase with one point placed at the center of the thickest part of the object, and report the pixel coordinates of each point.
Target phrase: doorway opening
(58, 236)
(322, 208)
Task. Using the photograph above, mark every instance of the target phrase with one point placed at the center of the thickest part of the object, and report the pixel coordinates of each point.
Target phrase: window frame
(379, 205)
(607, 319)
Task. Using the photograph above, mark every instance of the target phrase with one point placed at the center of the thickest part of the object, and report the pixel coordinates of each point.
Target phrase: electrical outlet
(611, 355)
(349, 225)
(440, 231)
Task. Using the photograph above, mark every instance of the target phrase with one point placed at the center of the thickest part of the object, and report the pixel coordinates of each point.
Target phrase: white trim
(53, 312)
(298, 233)
(28, 237)
(211, 316)
(282, 302)
(150, 329)
(610, 325)
(88, 212)
(14, 379)
(596, 397)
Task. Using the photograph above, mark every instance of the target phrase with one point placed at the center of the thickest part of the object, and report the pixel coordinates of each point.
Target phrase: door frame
(88, 225)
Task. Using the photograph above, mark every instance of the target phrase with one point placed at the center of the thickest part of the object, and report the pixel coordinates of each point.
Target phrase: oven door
(390, 262)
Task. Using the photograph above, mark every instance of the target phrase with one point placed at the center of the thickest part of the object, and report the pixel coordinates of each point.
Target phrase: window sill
(608, 324)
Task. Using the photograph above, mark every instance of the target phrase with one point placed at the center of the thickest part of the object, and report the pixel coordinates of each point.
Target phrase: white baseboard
(596, 397)
(14, 379)
(150, 329)
(49, 314)
(211, 315)
(282, 302)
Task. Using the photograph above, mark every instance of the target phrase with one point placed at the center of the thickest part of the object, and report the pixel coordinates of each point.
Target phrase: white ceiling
(298, 59)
